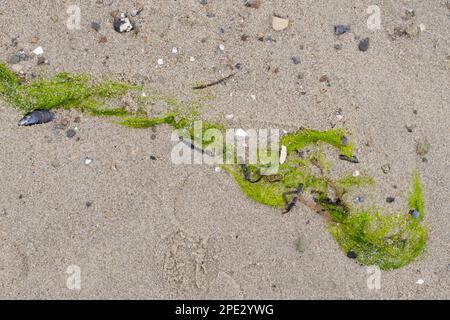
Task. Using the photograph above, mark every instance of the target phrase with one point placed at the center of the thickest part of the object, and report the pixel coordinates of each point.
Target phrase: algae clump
(388, 241)
(61, 91)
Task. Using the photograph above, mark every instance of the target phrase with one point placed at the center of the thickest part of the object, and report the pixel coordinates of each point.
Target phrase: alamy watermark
(236, 146)
(73, 282)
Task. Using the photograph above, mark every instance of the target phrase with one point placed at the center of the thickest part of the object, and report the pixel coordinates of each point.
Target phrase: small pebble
(344, 139)
(204, 2)
(16, 58)
(88, 161)
(364, 44)
(244, 37)
(174, 50)
(356, 173)
(42, 61)
(160, 61)
(89, 204)
(351, 254)
(135, 12)
(252, 3)
(221, 47)
(296, 59)
(340, 29)
(338, 46)
(390, 199)
(70, 133)
(359, 199)
(192, 59)
(420, 281)
(96, 26)
(386, 168)
(153, 158)
(229, 116)
(414, 213)
(409, 128)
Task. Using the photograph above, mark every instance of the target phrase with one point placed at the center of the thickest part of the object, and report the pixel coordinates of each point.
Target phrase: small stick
(204, 86)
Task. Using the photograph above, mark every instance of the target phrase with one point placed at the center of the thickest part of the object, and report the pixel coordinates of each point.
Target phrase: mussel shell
(37, 117)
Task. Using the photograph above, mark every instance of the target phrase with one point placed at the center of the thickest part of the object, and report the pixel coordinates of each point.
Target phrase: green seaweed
(305, 137)
(388, 241)
(62, 91)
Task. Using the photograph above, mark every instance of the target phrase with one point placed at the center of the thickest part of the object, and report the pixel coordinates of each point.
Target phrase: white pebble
(422, 27)
(88, 161)
(192, 59)
(160, 61)
(253, 97)
(229, 116)
(217, 169)
(38, 51)
(221, 47)
(356, 173)
(339, 117)
(420, 281)
(174, 50)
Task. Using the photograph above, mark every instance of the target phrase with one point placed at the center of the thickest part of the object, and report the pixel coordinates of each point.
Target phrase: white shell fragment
(279, 24)
(38, 51)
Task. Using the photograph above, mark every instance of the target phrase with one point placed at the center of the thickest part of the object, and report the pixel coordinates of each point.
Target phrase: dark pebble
(390, 199)
(344, 141)
(338, 46)
(153, 158)
(351, 254)
(89, 204)
(238, 66)
(364, 44)
(296, 59)
(414, 213)
(70, 133)
(341, 29)
(95, 26)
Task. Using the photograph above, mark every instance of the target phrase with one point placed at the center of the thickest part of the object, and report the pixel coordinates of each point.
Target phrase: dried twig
(204, 86)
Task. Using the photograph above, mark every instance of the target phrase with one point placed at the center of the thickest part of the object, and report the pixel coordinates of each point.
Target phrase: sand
(160, 231)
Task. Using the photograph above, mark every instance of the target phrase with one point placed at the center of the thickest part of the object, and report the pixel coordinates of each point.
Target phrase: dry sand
(156, 230)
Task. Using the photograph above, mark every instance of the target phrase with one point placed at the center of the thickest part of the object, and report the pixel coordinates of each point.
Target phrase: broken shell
(122, 23)
(279, 24)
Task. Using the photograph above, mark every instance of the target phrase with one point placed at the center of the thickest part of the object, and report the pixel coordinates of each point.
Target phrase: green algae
(387, 241)
(61, 91)
(305, 137)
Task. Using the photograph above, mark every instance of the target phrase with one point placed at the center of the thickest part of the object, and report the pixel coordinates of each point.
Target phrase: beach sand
(137, 226)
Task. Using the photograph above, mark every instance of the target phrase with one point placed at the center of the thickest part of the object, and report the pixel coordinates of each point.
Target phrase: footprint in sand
(189, 263)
